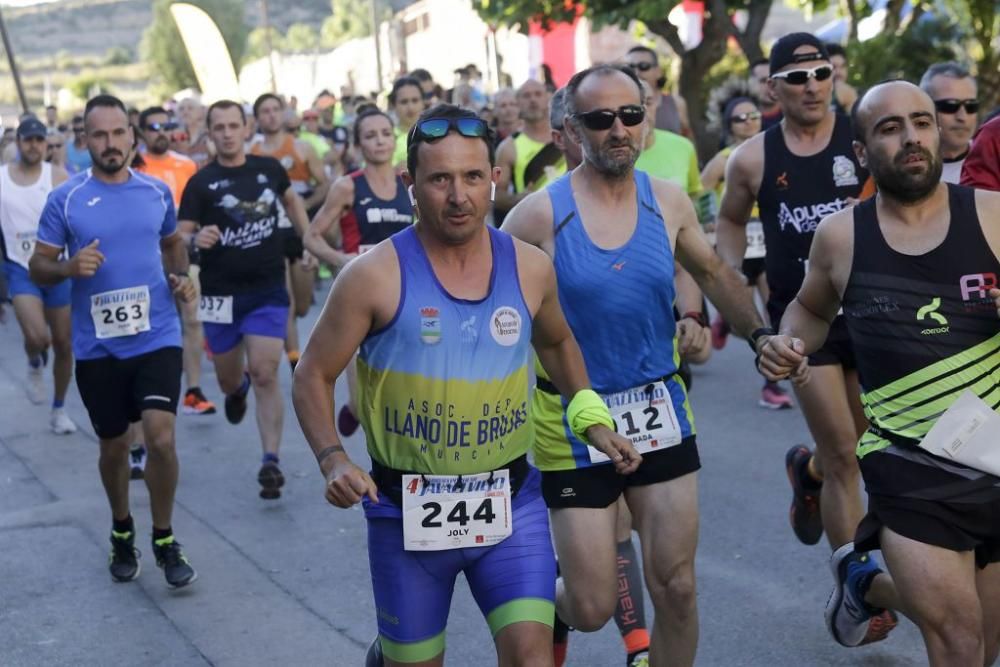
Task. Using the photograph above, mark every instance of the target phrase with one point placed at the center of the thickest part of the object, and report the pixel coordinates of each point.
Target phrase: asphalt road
(286, 581)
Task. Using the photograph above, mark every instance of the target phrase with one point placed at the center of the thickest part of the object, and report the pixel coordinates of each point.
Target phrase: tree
(164, 50)
(349, 19)
(257, 43)
(696, 62)
(301, 38)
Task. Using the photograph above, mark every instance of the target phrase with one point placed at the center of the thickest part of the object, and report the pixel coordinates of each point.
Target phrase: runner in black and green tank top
(917, 269)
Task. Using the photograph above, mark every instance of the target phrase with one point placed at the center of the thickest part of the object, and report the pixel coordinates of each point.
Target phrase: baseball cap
(783, 51)
(31, 128)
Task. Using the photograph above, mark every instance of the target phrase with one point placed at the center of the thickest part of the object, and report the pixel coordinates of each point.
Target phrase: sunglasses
(602, 119)
(160, 127)
(952, 106)
(799, 77)
(744, 117)
(435, 128)
(642, 67)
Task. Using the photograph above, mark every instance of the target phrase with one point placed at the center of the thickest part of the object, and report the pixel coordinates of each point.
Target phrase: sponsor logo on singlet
(505, 325)
(844, 173)
(430, 325)
(976, 291)
(805, 219)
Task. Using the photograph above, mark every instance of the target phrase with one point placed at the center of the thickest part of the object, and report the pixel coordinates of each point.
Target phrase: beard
(110, 162)
(893, 179)
(614, 166)
(160, 146)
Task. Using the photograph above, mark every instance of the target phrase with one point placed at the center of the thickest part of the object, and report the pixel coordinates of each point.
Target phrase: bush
(907, 55)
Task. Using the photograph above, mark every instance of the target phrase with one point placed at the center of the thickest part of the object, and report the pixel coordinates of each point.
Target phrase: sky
(22, 3)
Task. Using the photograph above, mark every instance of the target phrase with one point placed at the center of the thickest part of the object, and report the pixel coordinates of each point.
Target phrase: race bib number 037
(456, 511)
(120, 312)
(645, 415)
(216, 309)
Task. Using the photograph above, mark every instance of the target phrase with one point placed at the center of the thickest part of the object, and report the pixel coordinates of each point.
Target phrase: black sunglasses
(602, 119)
(952, 106)
(799, 77)
(642, 67)
(744, 117)
(435, 128)
(160, 127)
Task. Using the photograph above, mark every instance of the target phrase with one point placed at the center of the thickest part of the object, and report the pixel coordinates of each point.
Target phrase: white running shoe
(36, 385)
(61, 423)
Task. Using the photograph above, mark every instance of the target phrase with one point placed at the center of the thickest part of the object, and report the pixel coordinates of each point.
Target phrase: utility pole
(270, 47)
(378, 50)
(13, 64)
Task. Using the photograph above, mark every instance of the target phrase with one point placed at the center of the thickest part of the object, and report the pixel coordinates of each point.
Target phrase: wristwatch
(697, 316)
(758, 334)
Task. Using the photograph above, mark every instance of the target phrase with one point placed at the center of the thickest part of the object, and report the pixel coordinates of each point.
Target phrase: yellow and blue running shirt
(444, 386)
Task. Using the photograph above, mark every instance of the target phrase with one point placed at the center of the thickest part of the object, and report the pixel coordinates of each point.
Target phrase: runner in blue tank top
(119, 229)
(612, 232)
(444, 312)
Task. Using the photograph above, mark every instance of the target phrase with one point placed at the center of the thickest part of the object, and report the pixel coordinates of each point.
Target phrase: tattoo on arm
(326, 452)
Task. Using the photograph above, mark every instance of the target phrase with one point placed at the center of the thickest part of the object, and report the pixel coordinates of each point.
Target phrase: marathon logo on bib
(805, 219)
(505, 325)
(844, 173)
(430, 325)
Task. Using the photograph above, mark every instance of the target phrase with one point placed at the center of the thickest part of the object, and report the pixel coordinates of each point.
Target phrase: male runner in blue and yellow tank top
(916, 271)
(445, 314)
(613, 249)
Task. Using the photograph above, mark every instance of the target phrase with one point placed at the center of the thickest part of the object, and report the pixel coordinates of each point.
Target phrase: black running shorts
(116, 391)
(954, 526)
(598, 486)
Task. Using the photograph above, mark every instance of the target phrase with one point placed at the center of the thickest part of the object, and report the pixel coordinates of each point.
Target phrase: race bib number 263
(121, 312)
(453, 512)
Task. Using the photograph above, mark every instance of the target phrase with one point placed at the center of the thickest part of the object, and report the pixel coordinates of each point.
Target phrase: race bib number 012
(121, 312)
(456, 511)
(645, 415)
(216, 309)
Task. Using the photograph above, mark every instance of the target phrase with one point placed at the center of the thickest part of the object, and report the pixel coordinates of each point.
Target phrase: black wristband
(757, 334)
(697, 316)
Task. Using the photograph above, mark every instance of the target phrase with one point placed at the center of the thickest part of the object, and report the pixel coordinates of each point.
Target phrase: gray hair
(557, 109)
(951, 69)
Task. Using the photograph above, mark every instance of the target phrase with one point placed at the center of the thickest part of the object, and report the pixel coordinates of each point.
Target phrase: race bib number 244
(456, 511)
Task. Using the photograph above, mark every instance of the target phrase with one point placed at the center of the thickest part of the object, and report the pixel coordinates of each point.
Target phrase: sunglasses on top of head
(435, 128)
(602, 119)
(951, 106)
(641, 66)
(799, 77)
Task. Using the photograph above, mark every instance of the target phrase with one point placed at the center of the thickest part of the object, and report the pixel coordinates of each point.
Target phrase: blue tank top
(371, 219)
(619, 303)
(444, 386)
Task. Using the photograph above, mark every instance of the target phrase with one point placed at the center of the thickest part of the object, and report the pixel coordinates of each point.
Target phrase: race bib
(645, 415)
(120, 312)
(216, 309)
(456, 511)
(24, 247)
(755, 241)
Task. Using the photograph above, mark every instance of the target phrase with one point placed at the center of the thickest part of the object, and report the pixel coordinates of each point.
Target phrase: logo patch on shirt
(843, 171)
(430, 325)
(930, 312)
(262, 179)
(505, 325)
(781, 182)
(365, 201)
(93, 202)
(469, 332)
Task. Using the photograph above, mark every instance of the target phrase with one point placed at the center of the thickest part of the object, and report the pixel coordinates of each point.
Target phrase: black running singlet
(370, 219)
(923, 329)
(796, 193)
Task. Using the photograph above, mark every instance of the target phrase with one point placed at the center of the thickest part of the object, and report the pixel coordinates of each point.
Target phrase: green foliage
(906, 55)
(257, 43)
(301, 38)
(349, 19)
(118, 55)
(86, 85)
(163, 48)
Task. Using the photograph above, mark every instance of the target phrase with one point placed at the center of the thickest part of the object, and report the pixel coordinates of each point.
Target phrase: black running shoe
(804, 513)
(373, 658)
(124, 560)
(271, 480)
(176, 568)
(236, 407)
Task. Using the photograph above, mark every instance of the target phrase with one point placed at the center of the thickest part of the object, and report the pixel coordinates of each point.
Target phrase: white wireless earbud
(413, 200)
(493, 190)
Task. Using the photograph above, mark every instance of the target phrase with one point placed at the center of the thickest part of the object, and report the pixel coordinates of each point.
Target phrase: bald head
(533, 101)
(886, 101)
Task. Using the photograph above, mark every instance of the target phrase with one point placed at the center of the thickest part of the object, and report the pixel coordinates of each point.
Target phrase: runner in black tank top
(799, 173)
(918, 270)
